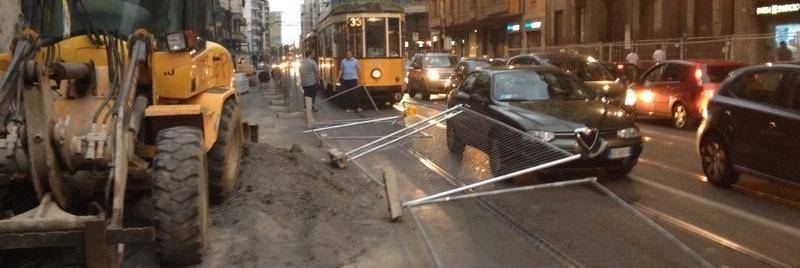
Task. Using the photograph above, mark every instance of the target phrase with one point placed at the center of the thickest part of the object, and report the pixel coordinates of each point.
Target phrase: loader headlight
(631, 132)
(376, 73)
(180, 41)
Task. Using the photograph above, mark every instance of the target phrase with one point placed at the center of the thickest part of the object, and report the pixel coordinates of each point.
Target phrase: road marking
(751, 192)
(708, 235)
(719, 206)
(674, 169)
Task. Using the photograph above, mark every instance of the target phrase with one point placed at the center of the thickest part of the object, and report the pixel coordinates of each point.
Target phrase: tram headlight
(433, 75)
(376, 73)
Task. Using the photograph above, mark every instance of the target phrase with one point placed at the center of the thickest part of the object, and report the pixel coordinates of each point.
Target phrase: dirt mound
(293, 210)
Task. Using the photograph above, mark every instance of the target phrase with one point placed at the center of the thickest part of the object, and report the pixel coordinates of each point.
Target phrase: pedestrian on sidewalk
(784, 53)
(659, 55)
(309, 76)
(348, 77)
(632, 57)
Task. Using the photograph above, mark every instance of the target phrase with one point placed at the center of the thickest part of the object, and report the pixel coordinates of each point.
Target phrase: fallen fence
(450, 168)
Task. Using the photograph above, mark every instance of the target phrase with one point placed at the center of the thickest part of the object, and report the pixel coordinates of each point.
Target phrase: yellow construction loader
(104, 101)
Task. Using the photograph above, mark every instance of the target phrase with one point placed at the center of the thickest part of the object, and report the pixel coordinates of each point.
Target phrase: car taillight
(698, 76)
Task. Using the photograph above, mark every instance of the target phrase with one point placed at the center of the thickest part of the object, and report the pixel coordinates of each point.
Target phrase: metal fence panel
(567, 226)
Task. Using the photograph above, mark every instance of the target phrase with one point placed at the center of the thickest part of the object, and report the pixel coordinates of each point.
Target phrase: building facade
(10, 21)
(274, 38)
(257, 29)
(744, 30)
(417, 33)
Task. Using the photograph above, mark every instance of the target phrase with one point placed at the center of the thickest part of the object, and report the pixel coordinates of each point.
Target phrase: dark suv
(591, 72)
(753, 126)
(429, 74)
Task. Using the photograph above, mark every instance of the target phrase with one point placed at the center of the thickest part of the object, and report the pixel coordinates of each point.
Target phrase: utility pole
(444, 21)
(524, 38)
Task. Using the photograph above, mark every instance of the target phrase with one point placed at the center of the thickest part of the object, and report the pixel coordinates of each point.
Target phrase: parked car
(753, 126)
(498, 61)
(552, 106)
(429, 74)
(679, 90)
(465, 67)
(594, 74)
(626, 72)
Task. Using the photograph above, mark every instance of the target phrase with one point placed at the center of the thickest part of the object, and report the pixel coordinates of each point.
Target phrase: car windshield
(440, 61)
(524, 86)
(120, 16)
(717, 74)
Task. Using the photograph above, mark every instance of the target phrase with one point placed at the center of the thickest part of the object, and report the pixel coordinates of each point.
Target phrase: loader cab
(58, 20)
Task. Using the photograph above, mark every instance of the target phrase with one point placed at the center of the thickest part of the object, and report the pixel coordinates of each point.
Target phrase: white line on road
(719, 206)
(708, 235)
(756, 193)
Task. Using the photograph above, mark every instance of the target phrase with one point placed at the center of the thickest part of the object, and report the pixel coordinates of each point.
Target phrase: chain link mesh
(570, 226)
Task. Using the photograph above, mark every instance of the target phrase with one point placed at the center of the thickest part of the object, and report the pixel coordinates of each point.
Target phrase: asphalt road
(755, 223)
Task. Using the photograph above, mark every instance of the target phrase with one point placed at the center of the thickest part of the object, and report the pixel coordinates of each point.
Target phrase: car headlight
(630, 97)
(433, 75)
(376, 73)
(544, 136)
(631, 132)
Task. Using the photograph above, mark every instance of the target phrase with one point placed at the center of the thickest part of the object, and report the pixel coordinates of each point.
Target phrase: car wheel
(454, 144)
(680, 116)
(426, 95)
(412, 90)
(716, 163)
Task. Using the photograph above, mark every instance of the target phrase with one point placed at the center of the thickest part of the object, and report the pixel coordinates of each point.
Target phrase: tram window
(375, 37)
(394, 37)
(354, 40)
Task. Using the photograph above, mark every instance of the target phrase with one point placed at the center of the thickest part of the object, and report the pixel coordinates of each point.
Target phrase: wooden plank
(392, 196)
(95, 244)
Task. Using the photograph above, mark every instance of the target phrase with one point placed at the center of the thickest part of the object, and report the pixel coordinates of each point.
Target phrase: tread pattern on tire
(178, 171)
(218, 191)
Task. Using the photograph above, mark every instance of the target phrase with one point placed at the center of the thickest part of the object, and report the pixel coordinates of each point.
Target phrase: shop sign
(512, 27)
(778, 9)
(533, 25)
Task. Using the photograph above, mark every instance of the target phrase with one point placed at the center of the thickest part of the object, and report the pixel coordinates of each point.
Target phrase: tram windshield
(381, 37)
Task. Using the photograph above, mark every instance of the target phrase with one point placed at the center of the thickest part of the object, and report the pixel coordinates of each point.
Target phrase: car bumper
(600, 161)
(438, 86)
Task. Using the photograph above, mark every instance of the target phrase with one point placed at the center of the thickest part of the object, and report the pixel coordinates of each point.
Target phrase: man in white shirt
(659, 55)
(632, 58)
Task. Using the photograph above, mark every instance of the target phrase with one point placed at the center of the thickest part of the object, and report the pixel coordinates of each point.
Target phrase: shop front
(783, 19)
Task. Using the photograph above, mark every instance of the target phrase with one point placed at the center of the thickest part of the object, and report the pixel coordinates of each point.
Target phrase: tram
(373, 32)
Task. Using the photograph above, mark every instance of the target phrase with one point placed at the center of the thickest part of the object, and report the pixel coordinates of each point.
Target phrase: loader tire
(180, 192)
(226, 154)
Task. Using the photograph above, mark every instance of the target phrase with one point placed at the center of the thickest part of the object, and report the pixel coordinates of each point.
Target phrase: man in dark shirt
(784, 53)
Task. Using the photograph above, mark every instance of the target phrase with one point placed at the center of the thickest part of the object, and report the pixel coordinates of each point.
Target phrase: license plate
(617, 153)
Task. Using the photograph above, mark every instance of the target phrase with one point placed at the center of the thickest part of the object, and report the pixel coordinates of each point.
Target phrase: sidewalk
(319, 217)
